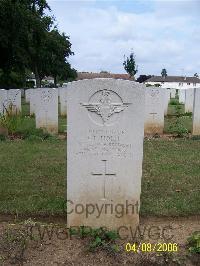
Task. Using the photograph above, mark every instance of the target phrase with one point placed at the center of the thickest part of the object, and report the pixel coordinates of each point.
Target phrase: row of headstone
(44, 104)
(155, 107)
(10, 101)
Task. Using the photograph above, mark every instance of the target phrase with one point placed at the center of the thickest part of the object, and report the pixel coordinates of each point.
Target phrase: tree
(130, 65)
(17, 20)
(29, 40)
(164, 73)
(68, 73)
(196, 75)
(57, 50)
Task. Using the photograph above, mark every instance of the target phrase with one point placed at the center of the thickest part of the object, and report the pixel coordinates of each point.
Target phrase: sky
(162, 34)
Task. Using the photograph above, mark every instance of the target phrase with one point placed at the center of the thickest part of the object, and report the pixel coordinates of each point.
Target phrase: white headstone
(3, 101)
(182, 96)
(46, 111)
(167, 100)
(33, 98)
(104, 151)
(14, 100)
(173, 93)
(154, 110)
(196, 112)
(63, 101)
(189, 98)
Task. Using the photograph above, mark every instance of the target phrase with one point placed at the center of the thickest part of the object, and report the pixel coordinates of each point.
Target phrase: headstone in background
(189, 98)
(14, 101)
(182, 96)
(3, 101)
(46, 110)
(196, 112)
(154, 110)
(33, 98)
(63, 101)
(104, 150)
(167, 100)
(172, 93)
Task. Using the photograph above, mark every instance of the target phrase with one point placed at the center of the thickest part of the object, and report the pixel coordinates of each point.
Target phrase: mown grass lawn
(33, 177)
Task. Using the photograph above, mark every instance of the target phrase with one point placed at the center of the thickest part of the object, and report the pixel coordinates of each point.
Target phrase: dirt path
(30, 243)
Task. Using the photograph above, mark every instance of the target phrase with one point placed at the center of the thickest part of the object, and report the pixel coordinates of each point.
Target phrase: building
(174, 82)
(45, 80)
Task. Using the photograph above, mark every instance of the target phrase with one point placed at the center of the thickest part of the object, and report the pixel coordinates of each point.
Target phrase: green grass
(171, 173)
(172, 109)
(186, 121)
(33, 177)
(25, 108)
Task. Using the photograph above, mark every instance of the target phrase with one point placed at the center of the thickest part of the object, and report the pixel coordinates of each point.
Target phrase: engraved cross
(104, 175)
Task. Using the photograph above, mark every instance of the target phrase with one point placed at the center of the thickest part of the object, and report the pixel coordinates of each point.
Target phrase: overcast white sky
(162, 34)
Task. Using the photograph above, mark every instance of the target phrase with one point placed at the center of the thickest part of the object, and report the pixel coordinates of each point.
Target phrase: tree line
(31, 42)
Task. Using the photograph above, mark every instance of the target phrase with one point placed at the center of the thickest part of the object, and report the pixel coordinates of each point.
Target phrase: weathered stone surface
(167, 100)
(104, 152)
(3, 101)
(182, 96)
(189, 98)
(63, 101)
(196, 112)
(154, 110)
(14, 100)
(46, 110)
(33, 97)
(172, 93)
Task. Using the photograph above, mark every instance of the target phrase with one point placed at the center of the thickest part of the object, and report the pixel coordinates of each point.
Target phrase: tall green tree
(58, 49)
(17, 21)
(130, 65)
(164, 72)
(27, 41)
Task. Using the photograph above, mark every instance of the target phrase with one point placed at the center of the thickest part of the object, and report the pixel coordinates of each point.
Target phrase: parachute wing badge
(117, 108)
(92, 107)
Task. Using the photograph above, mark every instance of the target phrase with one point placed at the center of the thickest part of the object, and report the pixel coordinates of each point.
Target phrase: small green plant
(33, 133)
(10, 120)
(2, 137)
(178, 109)
(187, 114)
(16, 124)
(99, 238)
(194, 242)
(178, 129)
(174, 102)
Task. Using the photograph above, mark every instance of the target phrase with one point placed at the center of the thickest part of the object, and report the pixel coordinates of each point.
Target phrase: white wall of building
(175, 85)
